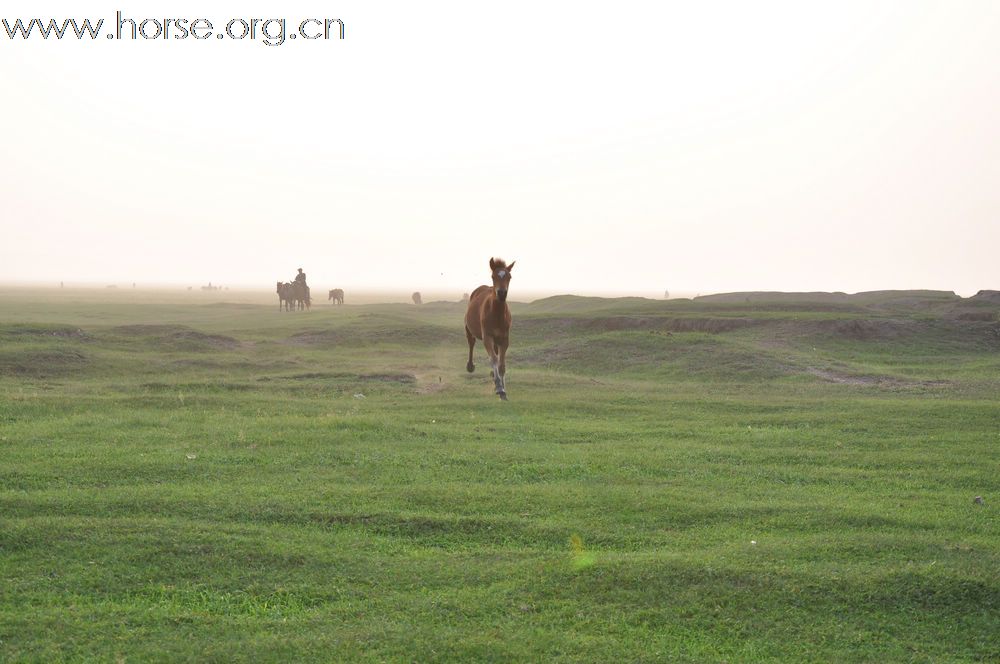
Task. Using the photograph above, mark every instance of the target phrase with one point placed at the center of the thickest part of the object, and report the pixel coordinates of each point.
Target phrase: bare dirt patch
(430, 383)
(844, 378)
(404, 378)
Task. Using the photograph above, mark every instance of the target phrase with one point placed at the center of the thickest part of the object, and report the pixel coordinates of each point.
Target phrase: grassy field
(190, 478)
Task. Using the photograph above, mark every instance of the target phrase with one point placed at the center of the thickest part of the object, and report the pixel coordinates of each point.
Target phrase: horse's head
(501, 277)
(279, 287)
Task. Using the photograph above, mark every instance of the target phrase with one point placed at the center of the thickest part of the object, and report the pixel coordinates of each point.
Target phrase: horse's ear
(511, 266)
(493, 264)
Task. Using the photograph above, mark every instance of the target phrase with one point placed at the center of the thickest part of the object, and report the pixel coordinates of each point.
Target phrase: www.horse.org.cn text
(268, 31)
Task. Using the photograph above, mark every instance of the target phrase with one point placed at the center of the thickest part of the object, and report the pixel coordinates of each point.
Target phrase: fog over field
(627, 149)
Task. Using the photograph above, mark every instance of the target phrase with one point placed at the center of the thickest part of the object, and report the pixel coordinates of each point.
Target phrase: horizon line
(686, 293)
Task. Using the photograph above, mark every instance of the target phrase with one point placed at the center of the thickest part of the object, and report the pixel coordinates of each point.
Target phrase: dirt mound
(905, 297)
(368, 335)
(616, 323)
(870, 329)
(45, 331)
(41, 364)
(709, 325)
(775, 329)
(565, 304)
(987, 316)
(319, 338)
(773, 296)
(990, 296)
(547, 326)
(147, 330)
(193, 337)
(879, 299)
(179, 336)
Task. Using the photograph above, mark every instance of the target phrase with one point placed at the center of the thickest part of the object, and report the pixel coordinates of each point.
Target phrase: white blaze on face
(501, 274)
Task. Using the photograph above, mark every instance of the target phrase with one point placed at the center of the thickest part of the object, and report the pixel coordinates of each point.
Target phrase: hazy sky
(626, 146)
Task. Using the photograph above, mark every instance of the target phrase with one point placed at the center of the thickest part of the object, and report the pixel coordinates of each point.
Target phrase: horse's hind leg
(470, 367)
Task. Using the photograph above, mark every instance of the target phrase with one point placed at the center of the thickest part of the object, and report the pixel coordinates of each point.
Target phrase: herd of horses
(295, 296)
(487, 317)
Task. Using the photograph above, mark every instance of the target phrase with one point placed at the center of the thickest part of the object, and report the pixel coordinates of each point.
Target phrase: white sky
(626, 147)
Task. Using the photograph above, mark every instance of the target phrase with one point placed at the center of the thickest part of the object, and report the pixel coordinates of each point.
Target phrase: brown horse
(488, 318)
(293, 296)
(337, 295)
(299, 293)
(416, 298)
(285, 296)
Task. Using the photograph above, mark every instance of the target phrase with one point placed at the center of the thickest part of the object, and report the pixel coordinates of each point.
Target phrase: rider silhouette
(300, 278)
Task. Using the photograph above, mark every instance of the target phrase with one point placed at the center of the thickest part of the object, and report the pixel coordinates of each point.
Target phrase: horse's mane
(498, 263)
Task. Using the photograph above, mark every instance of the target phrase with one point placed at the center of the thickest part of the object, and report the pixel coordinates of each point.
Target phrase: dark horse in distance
(488, 318)
(337, 296)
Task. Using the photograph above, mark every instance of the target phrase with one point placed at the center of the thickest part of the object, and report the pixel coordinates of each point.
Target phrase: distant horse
(337, 295)
(285, 300)
(416, 298)
(488, 318)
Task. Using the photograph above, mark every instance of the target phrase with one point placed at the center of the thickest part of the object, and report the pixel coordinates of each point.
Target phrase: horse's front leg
(502, 365)
(491, 350)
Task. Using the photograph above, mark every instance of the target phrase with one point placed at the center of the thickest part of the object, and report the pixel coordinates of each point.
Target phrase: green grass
(193, 481)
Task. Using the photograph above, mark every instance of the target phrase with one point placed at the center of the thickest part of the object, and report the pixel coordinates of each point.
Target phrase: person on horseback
(300, 278)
